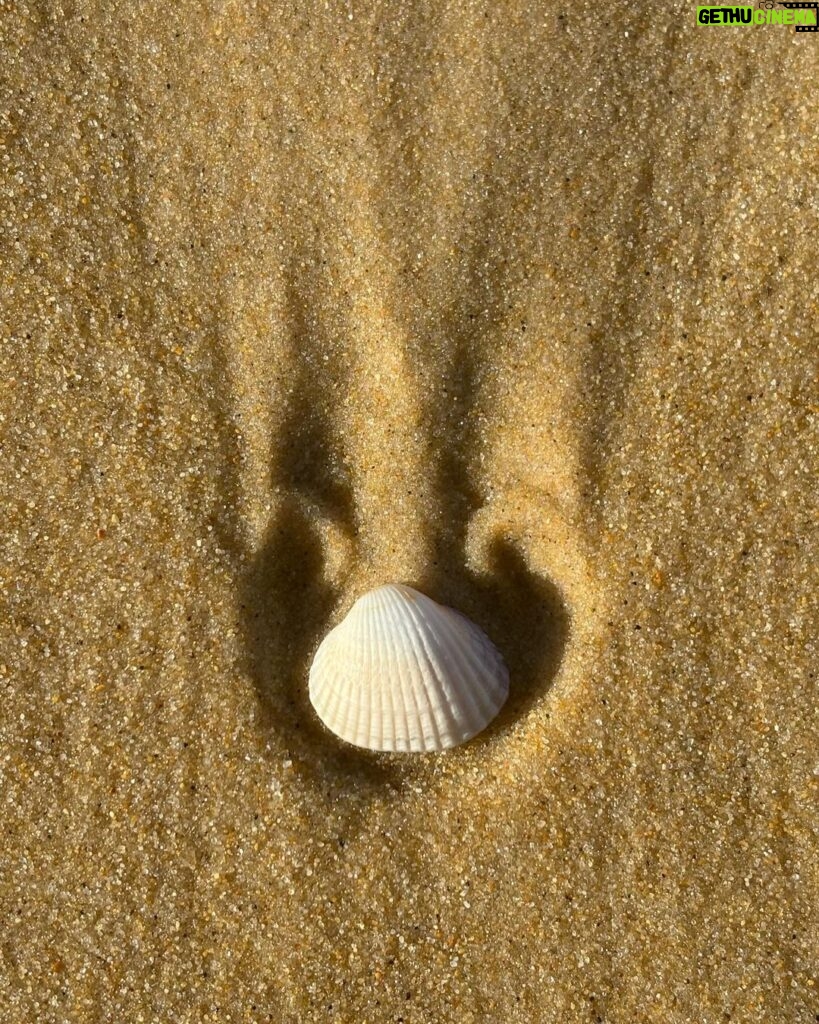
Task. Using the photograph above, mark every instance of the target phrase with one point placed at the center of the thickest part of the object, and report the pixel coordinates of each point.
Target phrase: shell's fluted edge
(403, 673)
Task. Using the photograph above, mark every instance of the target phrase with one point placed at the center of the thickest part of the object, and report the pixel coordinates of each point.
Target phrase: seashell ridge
(404, 673)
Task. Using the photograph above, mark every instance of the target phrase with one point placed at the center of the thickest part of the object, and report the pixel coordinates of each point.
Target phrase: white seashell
(402, 672)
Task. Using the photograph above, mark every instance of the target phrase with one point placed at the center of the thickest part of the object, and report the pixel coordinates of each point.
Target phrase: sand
(515, 303)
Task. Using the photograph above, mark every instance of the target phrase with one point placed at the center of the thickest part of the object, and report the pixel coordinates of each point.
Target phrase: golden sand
(516, 303)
